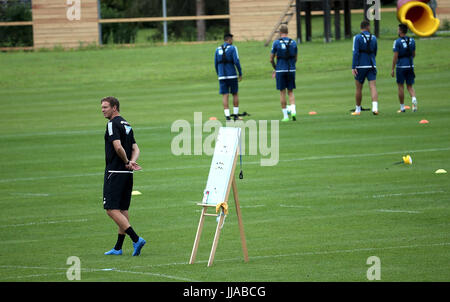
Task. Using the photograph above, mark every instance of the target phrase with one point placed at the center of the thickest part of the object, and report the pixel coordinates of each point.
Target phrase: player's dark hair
(284, 29)
(227, 36)
(112, 102)
(365, 24)
(403, 28)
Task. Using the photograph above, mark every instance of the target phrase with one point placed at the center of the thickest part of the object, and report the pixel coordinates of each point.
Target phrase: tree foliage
(126, 32)
(12, 11)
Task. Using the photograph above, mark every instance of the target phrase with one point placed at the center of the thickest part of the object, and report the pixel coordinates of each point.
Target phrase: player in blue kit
(404, 52)
(226, 61)
(285, 49)
(364, 66)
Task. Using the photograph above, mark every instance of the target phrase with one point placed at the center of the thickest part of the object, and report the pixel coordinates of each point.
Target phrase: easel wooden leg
(197, 237)
(216, 240)
(241, 224)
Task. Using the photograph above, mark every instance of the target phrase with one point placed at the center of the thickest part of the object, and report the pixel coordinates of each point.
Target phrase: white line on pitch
(48, 177)
(70, 132)
(397, 211)
(30, 194)
(92, 270)
(364, 155)
(156, 275)
(254, 206)
(313, 253)
(351, 250)
(248, 163)
(237, 259)
(242, 207)
(42, 222)
(33, 276)
(29, 267)
(293, 206)
(401, 194)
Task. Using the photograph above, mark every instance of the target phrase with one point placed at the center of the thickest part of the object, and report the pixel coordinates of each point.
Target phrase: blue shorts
(285, 80)
(405, 74)
(363, 73)
(228, 86)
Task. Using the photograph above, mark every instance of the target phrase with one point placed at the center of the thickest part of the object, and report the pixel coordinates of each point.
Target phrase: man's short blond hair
(283, 29)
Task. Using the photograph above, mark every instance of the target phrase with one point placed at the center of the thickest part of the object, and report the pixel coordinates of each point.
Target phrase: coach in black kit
(121, 154)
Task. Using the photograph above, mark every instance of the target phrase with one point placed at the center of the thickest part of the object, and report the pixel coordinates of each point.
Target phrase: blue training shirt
(362, 59)
(285, 49)
(226, 62)
(405, 58)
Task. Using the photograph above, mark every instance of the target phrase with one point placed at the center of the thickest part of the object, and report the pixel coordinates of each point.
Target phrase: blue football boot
(114, 252)
(138, 246)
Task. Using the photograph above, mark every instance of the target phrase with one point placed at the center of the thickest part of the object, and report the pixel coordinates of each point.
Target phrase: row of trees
(15, 10)
(183, 30)
(20, 10)
(186, 30)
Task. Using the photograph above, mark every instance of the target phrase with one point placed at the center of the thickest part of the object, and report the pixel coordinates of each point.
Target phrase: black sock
(120, 238)
(132, 234)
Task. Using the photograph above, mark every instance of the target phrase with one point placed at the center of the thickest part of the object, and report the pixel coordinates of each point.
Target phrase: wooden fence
(56, 23)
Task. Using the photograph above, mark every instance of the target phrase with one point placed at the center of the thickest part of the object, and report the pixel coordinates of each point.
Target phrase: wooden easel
(231, 184)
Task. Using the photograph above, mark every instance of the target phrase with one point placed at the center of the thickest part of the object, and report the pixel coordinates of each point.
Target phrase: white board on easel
(220, 181)
(224, 155)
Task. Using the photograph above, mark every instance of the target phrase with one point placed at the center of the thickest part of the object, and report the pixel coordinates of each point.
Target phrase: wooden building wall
(443, 10)
(52, 26)
(255, 19)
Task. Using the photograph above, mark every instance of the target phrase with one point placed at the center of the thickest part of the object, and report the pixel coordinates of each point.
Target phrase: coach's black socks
(130, 232)
(119, 243)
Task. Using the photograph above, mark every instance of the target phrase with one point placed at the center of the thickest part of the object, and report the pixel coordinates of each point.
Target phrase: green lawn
(334, 199)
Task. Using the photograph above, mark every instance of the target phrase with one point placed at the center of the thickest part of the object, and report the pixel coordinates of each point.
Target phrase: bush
(14, 36)
(177, 30)
(445, 25)
(119, 33)
(388, 2)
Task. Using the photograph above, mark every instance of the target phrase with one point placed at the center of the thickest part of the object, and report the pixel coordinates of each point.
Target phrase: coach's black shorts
(117, 189)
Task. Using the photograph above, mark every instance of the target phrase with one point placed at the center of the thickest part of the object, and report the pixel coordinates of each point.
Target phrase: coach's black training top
(118, 128)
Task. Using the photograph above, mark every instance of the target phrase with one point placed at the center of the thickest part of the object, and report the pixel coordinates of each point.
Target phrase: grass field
(334, 198)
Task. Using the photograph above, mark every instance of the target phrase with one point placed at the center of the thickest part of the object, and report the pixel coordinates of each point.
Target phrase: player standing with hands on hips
(285, 49)
(121, 154)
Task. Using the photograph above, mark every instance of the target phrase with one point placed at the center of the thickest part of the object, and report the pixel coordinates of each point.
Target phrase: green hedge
(14, 36)
(117, 32)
